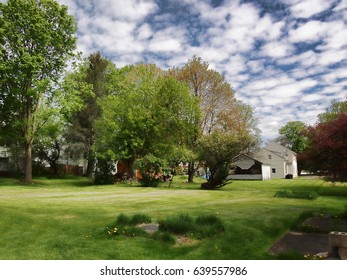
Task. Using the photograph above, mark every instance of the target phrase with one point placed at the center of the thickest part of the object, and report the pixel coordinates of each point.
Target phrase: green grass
(66, 218)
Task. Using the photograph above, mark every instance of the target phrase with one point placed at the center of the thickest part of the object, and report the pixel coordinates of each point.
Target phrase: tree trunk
(191, 171)
(28, 163)
(131, 162)
(90, 166)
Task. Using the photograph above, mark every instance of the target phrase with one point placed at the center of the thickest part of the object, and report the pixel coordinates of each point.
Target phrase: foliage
(94, 77)
(151, 169)
(335, 109)
(150, 114)
(218, 150)
(103, 171)
(37, 38)
(293, 136)
(327, 150)
(311, 195)
(220, 110)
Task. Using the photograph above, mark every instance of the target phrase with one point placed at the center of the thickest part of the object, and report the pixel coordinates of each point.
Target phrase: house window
(269, 156)
(273, 170)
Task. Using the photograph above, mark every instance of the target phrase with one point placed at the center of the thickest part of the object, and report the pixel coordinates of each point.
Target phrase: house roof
(251, 156)
(278, 148)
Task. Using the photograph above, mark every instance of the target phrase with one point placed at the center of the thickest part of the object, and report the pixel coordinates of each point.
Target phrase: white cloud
(144, 32)
(311, 31)
(128, 10)
(277, 49)
(308, 8)
(332, 56)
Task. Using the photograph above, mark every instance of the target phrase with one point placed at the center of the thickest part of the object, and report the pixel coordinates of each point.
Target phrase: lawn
(66, 218)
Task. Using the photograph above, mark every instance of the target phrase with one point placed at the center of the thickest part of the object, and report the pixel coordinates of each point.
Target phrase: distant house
(272, 161)
(248, 167)
(281, 160)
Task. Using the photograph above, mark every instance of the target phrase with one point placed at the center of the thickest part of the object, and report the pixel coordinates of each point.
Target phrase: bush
(103, 172)
(297, 194)
(150, 168)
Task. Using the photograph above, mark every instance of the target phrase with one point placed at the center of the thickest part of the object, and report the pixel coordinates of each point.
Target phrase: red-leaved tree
(327, 151)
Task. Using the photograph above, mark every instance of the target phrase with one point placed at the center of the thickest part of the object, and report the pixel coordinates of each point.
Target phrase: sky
(285, 58)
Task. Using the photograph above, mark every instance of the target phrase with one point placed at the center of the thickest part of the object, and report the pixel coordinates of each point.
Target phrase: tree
(220, 109)
(334, 111)
(215, 97)
(150, 113)
(37, 38)
(293, 136)
(96, 74)
(49, 140)
(327, 149)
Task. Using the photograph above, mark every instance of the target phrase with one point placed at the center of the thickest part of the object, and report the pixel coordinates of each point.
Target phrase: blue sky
(286, 58)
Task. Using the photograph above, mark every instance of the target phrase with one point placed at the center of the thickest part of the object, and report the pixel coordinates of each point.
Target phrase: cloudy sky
(286, 58)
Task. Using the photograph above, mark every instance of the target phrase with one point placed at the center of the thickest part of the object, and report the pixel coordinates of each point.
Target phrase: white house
(248, 167)
(282, 161)
(272, 161)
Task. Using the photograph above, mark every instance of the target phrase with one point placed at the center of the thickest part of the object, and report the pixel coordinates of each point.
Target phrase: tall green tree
(37, 38)
(293, 136)
(96, 75)
(150, 114)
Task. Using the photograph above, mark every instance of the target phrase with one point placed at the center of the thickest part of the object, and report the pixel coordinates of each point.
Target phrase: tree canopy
(37, 38)
(150, 113)
(327, 143)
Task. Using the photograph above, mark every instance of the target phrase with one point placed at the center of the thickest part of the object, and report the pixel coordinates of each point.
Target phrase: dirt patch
(185, 241)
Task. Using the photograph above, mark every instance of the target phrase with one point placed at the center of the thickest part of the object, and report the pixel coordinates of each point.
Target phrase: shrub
(150, 168)
(297, 194)
(103, 172)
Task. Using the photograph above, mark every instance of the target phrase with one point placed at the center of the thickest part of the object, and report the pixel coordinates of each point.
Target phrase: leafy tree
(49, 136)
(150, 114)
(327, 150)
(218, 150)
(293, 136)
(37, 38)
(94, 78)
(216, 99)
(334, 111)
